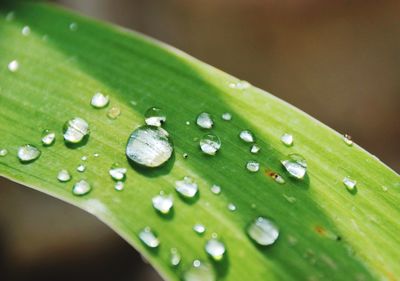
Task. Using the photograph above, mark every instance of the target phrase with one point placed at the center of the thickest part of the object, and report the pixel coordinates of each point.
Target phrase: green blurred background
(339, 61)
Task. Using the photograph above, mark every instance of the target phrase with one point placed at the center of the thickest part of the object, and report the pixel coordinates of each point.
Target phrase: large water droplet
(28, 153)
(349, 183)
(216, 189)
(210, 144)
(114, 112)
(204, 120)
(149, 238)
(215, 248)
(199, 228)
(48, 137)
(247, 136)
(149, 146)
(199, 271)
(64, 176)
(117, 172)
(186, 187)
(296, 165)
(226, 116)
(163, 203)
(287, 139)
(81, 188)
(75, 130)
(13, 66)
(26, 30)
(253, 166)
(155, 117)
(3, 152)
(255, 149)
(99, 100)
(175, 257)
(263, 231)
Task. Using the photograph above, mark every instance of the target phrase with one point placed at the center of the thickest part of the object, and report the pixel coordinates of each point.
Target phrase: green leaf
(326, 232)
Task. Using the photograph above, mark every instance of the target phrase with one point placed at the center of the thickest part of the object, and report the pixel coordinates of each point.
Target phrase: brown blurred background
(337, 60)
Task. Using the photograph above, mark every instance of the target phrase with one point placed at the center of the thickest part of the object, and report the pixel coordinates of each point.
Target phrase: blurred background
(339, 61)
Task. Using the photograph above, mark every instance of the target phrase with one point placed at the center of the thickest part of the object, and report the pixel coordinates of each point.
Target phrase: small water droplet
(117, 172)
(99, 100)
(26, 30)
(384, 188)
(73, 26)
(149, 238)
(13, 66)
(240, 85)
(119, 186)
(81, 168)
(287, 139)
(226, 116)
(149, 146)
(216, 189)
(210, 144)
(275, 176)
(347, 139)
(199, 271)
(3, 152)
(75, 130)
(296, 165)
(231, 207)
(84, 158)
(255, 149)
(187, 123)
(48, 137)
(349, 183)
(155, 117)
(114, 112)
(253, 166)
(215, 248)
(204, 120)
(81, 188)
(175, 257)
(185, 155)
(247, 136)
(163, 203)
(96, 155)
(186, 187)
(199, 228)
(63, 176)
(263, 231)
(28, 153)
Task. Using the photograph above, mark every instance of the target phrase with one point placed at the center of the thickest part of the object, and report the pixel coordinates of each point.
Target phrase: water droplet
(255, 149)
(215, 248)
(349, 183)
(149, 238)
(163, 203)
(63, 176)
(96, 154)
(287, 139)
(253, 166)
(117, 172)
(226, 116)
(185, 155)
(155, 117)
(81, 168)
(75, 130)
(263, 231)
(199, 228)
(210, 144)
(73, 26)
(186, 187)
(175, 257)
(81, 188)
(275, 176)
(114, 112)
(149, 146)
(13, 66)
(187, 123)
(347, 139)
(204, 120)
(199, 271)
(384, 188)
(3, 152)
(84, 158)
(48, 137)
(119, 185)
(26, 30)
(240, 85)
(99, 100)
(216, 189)
(296, 165)
(28, 153)
(247, 136)
(231, 207)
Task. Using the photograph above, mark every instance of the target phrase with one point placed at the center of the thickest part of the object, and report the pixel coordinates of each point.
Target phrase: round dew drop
(48, 137)
(295, 165)
(231, 207)
(287, 139)
(99, 100)
(215, 248)
(81, 168)
(163, 203)
(226, 116)
(247, 136)
(149, 238)
(28, 153)
(81, 188)
(210, 144)
(3, 152)
(199, 228)
(149, 146)
(13, 66)
(155, 117)
(64, 176)
(263, 231)
(186, 187)
(253, 166)
(26, 30)
(75, 130)
(204, 120)
(216, 189)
